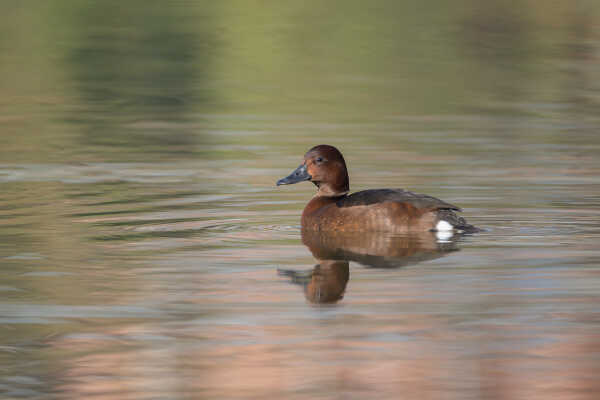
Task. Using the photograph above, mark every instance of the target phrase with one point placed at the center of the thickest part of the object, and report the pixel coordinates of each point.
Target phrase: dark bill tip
(300, 174)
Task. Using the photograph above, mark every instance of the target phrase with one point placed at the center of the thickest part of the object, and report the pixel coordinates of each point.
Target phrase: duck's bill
(300, 174)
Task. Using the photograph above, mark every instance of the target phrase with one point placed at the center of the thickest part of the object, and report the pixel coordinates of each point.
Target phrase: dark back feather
(372, 196)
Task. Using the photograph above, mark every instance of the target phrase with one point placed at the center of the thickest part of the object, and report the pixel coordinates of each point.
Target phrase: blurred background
(146, 252)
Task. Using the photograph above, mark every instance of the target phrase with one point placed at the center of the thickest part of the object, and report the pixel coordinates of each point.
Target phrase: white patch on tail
(443, 226)
(444, 231)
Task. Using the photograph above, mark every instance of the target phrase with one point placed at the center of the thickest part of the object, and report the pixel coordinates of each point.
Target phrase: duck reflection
(327, 281)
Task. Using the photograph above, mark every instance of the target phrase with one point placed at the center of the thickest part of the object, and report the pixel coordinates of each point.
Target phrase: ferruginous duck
(387, 210)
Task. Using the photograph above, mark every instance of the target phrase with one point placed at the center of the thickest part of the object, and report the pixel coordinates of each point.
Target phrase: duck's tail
(448, 220)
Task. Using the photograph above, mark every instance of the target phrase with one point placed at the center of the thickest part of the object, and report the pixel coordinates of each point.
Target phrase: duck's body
(389, 210)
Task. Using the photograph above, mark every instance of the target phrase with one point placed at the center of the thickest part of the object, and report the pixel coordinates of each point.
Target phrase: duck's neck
(339, 186)
(326, 191)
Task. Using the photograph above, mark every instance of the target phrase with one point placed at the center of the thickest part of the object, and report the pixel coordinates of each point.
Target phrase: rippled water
(146, 252)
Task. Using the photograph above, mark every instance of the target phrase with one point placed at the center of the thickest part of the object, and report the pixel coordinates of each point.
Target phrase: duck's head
(324, 166)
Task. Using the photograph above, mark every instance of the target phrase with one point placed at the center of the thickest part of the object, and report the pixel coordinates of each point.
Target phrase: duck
(396, 211)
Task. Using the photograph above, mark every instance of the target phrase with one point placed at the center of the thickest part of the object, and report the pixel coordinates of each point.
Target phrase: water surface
(146, 252)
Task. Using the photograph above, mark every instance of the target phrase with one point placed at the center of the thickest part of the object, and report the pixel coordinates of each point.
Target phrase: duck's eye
(319, 160)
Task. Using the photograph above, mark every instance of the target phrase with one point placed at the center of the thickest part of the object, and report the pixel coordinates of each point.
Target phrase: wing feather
(422, 201)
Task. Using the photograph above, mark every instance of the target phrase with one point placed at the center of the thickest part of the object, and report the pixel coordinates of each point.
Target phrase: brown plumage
(390, 210)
